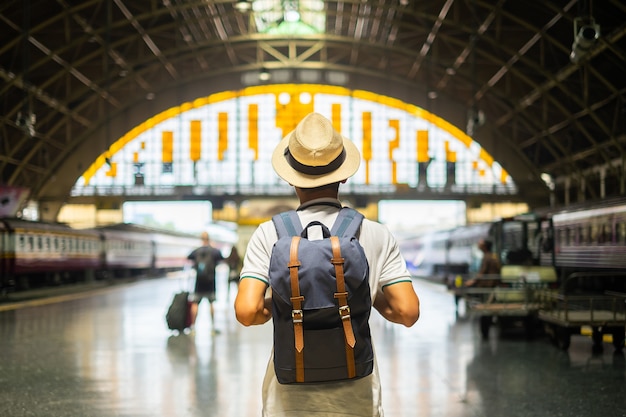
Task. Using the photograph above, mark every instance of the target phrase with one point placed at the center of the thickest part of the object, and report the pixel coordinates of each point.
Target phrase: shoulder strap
(287, 223)
(348, 223)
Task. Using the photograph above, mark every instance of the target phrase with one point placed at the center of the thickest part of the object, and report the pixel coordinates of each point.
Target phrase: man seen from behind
(315, 159)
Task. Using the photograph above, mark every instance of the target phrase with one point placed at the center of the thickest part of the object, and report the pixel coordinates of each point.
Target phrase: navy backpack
(321, 301)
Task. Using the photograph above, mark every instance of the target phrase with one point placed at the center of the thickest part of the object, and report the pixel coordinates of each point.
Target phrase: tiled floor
(109, 353)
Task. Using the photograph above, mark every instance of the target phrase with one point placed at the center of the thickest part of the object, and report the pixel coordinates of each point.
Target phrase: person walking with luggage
(205, 259)
(315, 159)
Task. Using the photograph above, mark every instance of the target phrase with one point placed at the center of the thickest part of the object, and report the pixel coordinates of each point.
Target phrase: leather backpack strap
(296, 305)
(344, 310)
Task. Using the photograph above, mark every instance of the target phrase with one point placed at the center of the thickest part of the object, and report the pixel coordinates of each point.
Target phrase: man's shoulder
(374, 227)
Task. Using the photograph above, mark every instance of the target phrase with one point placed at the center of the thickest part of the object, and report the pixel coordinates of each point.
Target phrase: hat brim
(300, 180)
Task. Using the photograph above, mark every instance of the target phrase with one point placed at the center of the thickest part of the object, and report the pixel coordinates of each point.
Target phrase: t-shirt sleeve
(387, 265)
(256, 262)
(393, 266)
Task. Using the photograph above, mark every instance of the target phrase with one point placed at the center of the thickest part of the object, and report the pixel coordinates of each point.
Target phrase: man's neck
(307, 194)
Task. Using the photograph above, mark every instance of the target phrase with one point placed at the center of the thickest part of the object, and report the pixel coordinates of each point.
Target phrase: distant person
(316, 159)
(234, 262)
(205, 259)
(489, 273)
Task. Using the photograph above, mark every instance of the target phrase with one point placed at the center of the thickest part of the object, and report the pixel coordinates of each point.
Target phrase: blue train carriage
(425, 254)
(452, 256)
(463, 255)
(36, 254)
(589, 244)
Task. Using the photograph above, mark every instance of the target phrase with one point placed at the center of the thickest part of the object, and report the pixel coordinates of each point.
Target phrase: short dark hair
(332, 186)
(488, 244)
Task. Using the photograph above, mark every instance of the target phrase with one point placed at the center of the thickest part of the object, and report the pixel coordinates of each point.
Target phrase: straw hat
(315, 154)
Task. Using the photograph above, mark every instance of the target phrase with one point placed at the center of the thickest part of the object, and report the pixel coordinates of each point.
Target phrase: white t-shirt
(361, 397)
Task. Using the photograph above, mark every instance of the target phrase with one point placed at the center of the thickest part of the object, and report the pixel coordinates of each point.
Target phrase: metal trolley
(565, 314)
(512, 301)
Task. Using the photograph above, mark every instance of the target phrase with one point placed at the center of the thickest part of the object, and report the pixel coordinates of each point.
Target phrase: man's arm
(399, 303)
(250, 305)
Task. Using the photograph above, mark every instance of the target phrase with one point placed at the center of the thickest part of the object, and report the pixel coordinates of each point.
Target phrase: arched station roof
(88, 71)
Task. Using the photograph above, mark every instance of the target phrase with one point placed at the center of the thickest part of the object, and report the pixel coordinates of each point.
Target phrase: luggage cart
(565, 315)
(512, 300)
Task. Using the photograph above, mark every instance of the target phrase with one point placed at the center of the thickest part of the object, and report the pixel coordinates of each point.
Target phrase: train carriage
(127, 250)
(425, 255)
(464, 257)
(6, 259)
(594, 238)
(441, 255)
(171, 250)
(591, 240)
(37, 253)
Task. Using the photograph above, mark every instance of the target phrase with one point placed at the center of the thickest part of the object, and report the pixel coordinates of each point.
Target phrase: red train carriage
(37, 253)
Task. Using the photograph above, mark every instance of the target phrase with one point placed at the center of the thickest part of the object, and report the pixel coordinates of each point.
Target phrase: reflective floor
(109, 353)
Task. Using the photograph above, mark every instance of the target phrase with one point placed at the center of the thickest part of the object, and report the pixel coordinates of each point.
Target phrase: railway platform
(107, 351)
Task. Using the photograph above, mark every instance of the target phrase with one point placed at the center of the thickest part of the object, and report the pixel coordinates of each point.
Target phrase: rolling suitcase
(178, 315)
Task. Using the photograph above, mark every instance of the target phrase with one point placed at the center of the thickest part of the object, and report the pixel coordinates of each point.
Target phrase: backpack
(321, 301)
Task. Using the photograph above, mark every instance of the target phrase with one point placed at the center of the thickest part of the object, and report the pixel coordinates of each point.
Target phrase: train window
(620, 231)
(594, 236)
(39, 243)
(605, 234)
(581, 235)
(56, 244)
(534, 235)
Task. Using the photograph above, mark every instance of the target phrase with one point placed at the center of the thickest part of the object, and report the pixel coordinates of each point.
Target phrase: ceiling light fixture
(585, 36)
(243, 6)
(291, 13)
(264, 74)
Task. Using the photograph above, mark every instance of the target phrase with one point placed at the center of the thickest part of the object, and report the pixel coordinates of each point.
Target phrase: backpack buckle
(344, 312)
(297, 313)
